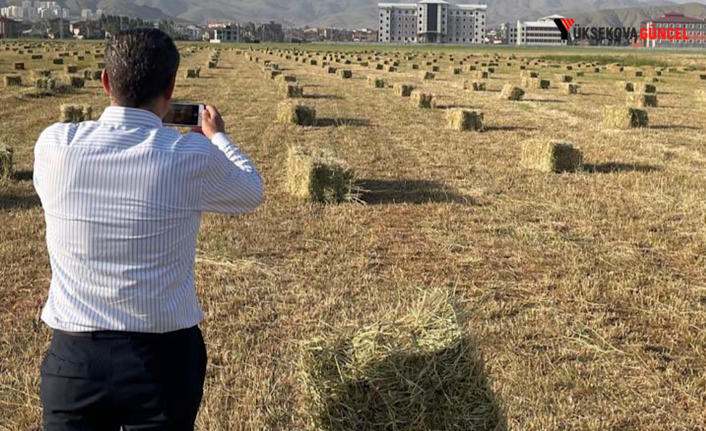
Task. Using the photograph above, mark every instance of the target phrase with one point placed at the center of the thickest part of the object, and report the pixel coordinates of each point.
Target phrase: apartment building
(542, 32)
(694, 28)
(431, 21)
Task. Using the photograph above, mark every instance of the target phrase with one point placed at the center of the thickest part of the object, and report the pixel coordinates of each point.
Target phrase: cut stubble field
(585, 291)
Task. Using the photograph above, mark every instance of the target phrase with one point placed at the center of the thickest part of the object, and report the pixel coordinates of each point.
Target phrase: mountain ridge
(363, 13)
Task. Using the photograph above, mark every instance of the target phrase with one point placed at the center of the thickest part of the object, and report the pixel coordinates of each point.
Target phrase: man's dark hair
(141, 64)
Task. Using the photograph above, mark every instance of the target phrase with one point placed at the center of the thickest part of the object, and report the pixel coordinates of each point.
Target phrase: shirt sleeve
(52, 135)
(232, 184)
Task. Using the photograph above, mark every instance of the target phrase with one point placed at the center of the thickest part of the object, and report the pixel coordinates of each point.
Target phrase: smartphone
(184, 115)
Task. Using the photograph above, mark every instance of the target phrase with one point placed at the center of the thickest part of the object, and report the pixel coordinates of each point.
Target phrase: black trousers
(103, 381)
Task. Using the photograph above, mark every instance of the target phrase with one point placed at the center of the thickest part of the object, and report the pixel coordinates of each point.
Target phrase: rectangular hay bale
(548, 156)
(5, 162)
(317, 176)
(422, 100)
(510, 92)
(295, 113)
(461, 119)
(76, 113)
(623, 117)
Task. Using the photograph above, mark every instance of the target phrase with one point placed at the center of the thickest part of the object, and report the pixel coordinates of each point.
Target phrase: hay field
(586, 291)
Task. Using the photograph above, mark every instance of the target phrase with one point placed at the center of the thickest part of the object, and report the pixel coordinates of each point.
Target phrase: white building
(33, 11)
(224, 33)
(431, 21)
(541, 32)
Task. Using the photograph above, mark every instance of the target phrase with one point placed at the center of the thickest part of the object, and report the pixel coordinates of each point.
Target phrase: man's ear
(105, 81)
(170, 89)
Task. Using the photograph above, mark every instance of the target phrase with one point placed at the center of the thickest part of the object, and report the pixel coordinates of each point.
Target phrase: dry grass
(585, 292)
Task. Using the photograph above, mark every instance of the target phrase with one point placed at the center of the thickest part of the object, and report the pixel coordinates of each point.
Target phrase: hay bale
(19, 66)
(330, 69)
(37, 57)
(77, 81)
(627, 86)
(345, 73)
(461, 120)
(417, 372)
(475, 85)
(455, 70)
(92, 75)
(535, 83)
(291, 91)
(45, 84)
(76, 113)
(317, 176)
(481, 75)
(376, 82)
(295, 113)
(271, 73)
(13, 81)
(403, 90)
(193, 73)
(71, 68)
(510, 92)
(58, 61)
(570, 88)
(642, 100)
(644, 87)
(422, 100)
(5, 162)
(426, 75)
(529, 74)
(623, 117)
(283, 79)
(548, 156)
(564, 78)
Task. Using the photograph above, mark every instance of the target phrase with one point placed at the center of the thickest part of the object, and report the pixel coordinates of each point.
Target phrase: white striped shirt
(123, 198)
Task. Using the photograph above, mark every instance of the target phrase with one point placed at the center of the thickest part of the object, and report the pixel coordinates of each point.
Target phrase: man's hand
(212, 122)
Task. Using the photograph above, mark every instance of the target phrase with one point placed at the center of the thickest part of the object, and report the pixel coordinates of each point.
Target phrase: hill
(363, 13)
(634, 16)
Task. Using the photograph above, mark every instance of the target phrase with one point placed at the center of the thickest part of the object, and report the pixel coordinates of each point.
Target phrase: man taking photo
(123, 198)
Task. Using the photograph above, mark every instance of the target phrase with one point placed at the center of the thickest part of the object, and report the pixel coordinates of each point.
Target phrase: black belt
(97, 335)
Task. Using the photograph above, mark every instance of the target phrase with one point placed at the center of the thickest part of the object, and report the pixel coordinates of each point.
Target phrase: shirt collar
(130, 117)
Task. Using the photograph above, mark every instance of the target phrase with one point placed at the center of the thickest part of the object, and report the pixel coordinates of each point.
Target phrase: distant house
(9, 28)
(695, 30)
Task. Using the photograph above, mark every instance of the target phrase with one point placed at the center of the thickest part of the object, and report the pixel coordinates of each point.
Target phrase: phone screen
(182, 114)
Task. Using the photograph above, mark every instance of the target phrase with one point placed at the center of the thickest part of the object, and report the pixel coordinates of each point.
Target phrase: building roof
(674, 17)
(398, 5)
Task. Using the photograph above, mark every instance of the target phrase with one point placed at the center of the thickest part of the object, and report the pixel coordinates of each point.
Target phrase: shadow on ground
(673, 127)
(322, 96)
(340, 122)
(607, 168)
(23, 176)
(13, 201)
(509, 129)
(387, 192)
